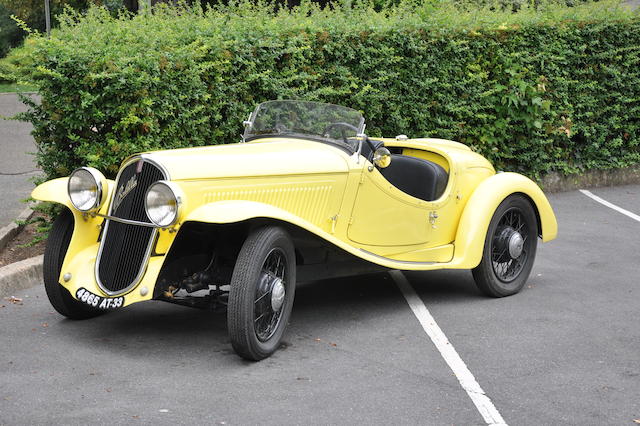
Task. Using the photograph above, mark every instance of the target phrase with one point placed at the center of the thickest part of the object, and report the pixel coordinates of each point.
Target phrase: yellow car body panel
(338, 197)
(271, 157)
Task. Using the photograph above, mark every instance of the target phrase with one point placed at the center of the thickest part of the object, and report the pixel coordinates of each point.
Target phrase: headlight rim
(178, 196)
(101, 184)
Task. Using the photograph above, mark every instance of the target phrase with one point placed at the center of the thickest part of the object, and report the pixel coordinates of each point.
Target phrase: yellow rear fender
(486, 198)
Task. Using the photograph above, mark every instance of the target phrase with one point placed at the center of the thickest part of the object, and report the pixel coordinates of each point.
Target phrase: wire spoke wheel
(509, 249)
(508, 252)
(270, 294)
(261, 293)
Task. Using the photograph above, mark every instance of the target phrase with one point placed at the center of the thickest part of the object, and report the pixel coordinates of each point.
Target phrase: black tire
(499, 273)
(253, 335)
(54, 253)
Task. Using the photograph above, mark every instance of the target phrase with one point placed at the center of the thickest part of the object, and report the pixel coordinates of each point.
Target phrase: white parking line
(467, 381)
(610, 205)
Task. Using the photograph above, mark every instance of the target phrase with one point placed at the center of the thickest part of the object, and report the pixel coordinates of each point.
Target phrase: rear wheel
(261, 293)
(54, 253)
(509, 248)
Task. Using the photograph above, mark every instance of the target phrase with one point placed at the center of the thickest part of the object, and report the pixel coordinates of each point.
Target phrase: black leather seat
(419, 178)
(367, 152)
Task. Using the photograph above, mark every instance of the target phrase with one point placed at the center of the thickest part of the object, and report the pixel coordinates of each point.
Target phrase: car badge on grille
(123, 191)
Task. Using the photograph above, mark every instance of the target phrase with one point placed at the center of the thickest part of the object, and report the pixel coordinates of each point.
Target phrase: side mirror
(382, 157)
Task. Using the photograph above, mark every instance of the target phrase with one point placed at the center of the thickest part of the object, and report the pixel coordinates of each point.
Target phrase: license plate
(99, 302)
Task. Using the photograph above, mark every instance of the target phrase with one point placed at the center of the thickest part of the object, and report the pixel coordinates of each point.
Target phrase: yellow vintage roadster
(306, 195)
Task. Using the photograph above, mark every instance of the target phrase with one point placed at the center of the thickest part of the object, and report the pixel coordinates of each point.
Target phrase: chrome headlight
(162, 203)
(86, 188)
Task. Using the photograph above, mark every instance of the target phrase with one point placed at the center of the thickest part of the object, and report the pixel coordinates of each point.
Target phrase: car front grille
(125, 248)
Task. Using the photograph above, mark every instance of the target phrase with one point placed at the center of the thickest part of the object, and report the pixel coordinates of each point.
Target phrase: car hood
(259, 158)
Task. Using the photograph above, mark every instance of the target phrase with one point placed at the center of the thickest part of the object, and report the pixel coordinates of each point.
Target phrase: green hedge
(557, 89)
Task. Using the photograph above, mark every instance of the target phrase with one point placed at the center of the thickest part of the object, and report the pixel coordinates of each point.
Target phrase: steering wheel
(344, 127)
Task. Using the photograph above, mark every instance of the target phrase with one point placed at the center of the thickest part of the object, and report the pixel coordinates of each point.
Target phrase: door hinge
(334, 220)
(432, 218)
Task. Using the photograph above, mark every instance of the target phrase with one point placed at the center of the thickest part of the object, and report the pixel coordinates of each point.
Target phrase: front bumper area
(81, 270)
(79, 267)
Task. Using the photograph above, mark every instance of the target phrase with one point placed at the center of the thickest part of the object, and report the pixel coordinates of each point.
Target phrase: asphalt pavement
(17, 163)
(564, 351)
(632, 4)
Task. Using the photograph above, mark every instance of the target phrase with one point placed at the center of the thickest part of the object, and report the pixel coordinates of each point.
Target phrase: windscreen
(305, 119)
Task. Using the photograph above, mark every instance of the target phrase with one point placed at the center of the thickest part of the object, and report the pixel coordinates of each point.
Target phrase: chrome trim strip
(149, 159)
(152, 239)
(127, 221)
(406, 262)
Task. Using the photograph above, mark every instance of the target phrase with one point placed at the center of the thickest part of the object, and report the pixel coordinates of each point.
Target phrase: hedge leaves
(557, 89)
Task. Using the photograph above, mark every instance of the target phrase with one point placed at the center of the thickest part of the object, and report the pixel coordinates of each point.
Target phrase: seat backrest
(417, 177)
(367, 152)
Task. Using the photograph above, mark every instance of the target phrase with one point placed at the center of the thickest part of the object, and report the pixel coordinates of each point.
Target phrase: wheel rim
(509, 245)
(270, 298)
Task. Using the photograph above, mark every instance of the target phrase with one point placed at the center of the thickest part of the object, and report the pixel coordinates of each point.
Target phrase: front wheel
(54, 253)
(509, 248)
(261, 293)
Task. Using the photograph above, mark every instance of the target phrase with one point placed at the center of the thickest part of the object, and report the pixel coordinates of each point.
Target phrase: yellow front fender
(53, 190)
(231, 211)
(479, 210)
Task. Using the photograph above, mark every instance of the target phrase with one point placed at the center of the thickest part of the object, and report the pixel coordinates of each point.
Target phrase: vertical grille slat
(123, 249)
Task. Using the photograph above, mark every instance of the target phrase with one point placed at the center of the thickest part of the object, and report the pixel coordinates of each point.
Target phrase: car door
(383, 215)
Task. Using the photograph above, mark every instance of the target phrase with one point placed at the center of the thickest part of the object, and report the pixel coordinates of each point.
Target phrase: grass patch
(15, 88)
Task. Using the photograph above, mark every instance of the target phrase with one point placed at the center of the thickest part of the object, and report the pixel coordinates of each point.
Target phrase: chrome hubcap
(516, 245)
(510, 245)
(277, 295)
(270, 297)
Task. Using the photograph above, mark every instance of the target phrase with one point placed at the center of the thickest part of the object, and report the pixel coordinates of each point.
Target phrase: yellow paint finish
(268, 157)
(82, 263)
(327, 192)
(441, 254)
(427, 155)
(163, 241)
(83, 247)
(315, 199)
(479, 210)
(54, 190)
(384, 216)
(237, 211)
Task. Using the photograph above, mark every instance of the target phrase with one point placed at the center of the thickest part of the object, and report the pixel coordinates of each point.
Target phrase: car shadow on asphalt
(442, 286)
(173, 330)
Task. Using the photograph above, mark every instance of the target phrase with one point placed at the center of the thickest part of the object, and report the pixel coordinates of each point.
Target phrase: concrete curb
(15, 93)
(12, 229)
(554, 182)
(20, 275)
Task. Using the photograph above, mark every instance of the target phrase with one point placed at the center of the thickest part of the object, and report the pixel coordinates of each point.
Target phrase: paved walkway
(17, 164)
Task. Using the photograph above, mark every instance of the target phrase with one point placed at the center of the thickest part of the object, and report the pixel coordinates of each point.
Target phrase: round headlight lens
(85, 188)
(162, 203)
